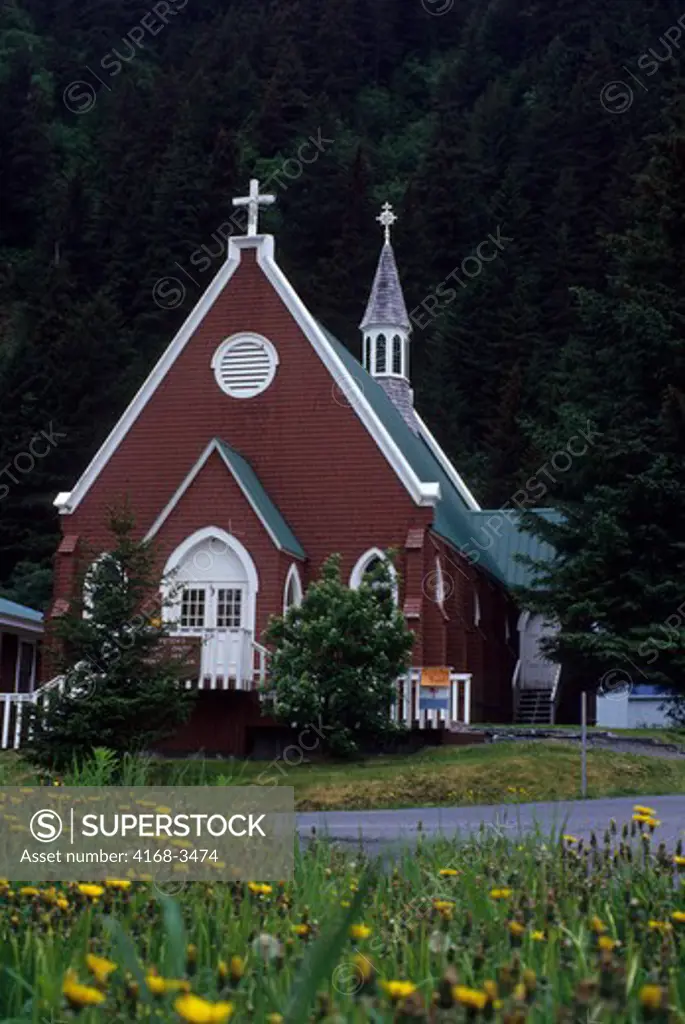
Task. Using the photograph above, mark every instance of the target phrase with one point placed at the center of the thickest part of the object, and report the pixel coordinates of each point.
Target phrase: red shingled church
(257, 446)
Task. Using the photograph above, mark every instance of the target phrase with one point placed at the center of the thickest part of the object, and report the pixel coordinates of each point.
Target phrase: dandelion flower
(199, 1011)
(516, 929)
(90, 890)
(260, 889)
(597, 925)
(606, 943)
(29, 890)
(660, 926)
(100, 968)
(78, 996)
(121, 884)
(501, 894)
(360, 931)
(678, 916)
(648, 811)
(396, 990)
(448, 872)
(472, 998)
(538, 936)
(651, 997)
(301, 929)
(163, 986)
(570, 840)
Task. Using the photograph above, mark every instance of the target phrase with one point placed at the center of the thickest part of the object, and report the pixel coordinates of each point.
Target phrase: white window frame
(362, 564)
(295, 578)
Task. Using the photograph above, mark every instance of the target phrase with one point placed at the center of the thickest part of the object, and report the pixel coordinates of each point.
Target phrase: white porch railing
(407, 708)
(232, 661)
(13, 711)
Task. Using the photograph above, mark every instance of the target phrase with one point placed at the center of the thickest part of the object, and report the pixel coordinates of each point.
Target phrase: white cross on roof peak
(387, 218)
(253, 202)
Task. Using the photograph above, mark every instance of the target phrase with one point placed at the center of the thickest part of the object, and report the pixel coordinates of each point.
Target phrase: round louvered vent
(245, 365)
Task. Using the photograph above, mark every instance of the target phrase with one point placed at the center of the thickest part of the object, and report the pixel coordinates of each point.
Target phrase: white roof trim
(25, 625)
(213, 446)
(421, 493)
(447, 465)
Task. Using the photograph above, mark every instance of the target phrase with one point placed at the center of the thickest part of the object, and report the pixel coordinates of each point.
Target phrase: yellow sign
(435, 676)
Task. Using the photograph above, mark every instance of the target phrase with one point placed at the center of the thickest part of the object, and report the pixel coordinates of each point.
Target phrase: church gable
(309, 434)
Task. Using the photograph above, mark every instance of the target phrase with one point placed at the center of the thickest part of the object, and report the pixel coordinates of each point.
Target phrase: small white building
(638, 706)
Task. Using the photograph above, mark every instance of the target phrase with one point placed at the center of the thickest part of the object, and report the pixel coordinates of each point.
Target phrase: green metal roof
(19, 611)
(265, 508)
(499, 531)
(452, 517)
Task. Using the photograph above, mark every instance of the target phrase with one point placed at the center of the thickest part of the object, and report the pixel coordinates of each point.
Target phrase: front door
(215, 611)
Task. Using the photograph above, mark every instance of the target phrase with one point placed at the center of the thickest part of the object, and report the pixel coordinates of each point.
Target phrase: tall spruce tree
(617, 586)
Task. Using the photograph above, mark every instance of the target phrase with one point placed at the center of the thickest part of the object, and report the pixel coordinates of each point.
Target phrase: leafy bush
(338, 656)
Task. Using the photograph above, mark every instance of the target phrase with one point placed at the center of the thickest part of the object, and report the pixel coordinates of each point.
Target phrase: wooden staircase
(535, 707)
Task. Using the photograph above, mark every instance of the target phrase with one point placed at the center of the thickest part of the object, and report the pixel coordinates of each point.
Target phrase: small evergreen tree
(338, 656)
(121, 686)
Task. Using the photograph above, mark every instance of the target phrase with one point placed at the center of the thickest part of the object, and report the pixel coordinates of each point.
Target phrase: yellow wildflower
(444, 906)
(651, 997)
(538, 936)
(345, 904)
(237, 969)
(162, 986)
(260, 889)
(660, 926)
(570, 839)
(679, 861)
(648, 811)
(516, 929)
(78, 995)
(359, 931)
(448, 872)
(678, 916)
(301, 929)
(199, 1011)
(100, 968)
(364, 966)
(397, 990)
(274, 1018)
(473, 998)
(597, 925)
(29, 890)
(118, 883)
(501, 894)
(62, 903)
(605, 942)
(90, 890)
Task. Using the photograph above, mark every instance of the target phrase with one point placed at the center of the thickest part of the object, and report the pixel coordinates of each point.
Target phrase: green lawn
(442, 776)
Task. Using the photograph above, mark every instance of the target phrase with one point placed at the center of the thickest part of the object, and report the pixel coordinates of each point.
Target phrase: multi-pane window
(193, 608)
(229, 604)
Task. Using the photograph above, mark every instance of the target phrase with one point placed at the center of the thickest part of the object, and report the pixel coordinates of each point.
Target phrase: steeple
(386, 327)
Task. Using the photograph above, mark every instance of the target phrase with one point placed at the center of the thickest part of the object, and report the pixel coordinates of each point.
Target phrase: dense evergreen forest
(554, 125)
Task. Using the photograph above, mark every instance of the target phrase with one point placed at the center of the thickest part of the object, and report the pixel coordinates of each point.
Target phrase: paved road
(387, 829)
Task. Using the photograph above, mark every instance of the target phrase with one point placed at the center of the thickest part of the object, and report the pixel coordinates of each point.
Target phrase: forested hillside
(127, 129)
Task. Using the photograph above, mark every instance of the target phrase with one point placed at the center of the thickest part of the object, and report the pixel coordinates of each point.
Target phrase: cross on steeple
(253, 202)
(387, 218)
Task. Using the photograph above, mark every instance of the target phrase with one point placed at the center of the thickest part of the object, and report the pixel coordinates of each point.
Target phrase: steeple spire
(386, 328)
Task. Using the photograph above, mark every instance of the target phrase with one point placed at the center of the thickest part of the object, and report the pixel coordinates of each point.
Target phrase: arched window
(381, 353)
(367, 352)
(365, 566)
(292, 593)
(397, 355)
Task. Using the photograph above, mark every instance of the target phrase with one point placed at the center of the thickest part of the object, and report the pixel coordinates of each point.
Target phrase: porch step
(534, 707)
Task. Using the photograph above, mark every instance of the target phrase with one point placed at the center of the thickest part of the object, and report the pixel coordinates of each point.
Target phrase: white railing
(230, 660)
(407, 709)
(554, 700)
(13, 711)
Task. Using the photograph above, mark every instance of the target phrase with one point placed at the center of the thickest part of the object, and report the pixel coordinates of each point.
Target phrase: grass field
(440, 776)
(540, 931)
(449, 776)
